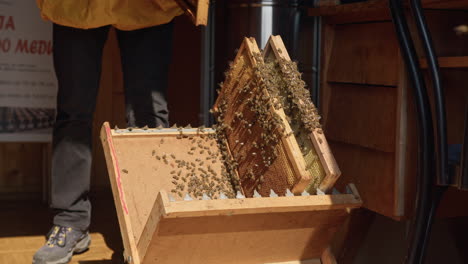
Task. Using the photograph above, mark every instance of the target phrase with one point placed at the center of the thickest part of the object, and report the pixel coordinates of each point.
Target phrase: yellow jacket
(122, 14)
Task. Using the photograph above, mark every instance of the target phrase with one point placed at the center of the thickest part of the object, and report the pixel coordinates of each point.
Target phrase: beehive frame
(275, 50)
(242, 73)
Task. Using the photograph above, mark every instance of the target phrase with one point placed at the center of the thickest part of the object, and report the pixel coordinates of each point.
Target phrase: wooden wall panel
(363, 115)
(365, 54)
(371, 171)
(21, 169)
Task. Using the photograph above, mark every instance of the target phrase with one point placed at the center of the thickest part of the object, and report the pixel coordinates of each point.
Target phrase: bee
(158, 158)
(125, 171)
(154, 152)
(174, 182)
(173, 156)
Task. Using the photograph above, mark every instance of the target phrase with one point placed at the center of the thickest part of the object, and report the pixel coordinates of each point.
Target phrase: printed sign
(27, 80)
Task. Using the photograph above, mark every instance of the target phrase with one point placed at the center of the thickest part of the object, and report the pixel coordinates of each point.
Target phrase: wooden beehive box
(256, 125)
(156, 229)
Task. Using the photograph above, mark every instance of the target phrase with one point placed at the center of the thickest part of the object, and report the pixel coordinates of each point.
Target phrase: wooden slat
(259, 205)
(448, 62)
(372, 171)
(125, 223)
(446, 4)
(370, 7)
(364, 54)
(363, 115)
(265, 233)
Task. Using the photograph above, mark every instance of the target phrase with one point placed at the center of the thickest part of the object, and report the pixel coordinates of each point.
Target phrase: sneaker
(61, 244)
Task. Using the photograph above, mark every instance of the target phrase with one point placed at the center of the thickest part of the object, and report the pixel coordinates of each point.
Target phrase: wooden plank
(365, 54)
(328, 8)
(258, 205)
(202, 12)
(275, 50)
(263, 235)
(372, 171)
(126, 229)
(448, 62)
(446, 4)
(363, 115)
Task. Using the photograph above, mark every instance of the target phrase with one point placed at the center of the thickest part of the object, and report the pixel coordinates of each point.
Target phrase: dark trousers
(145, 56)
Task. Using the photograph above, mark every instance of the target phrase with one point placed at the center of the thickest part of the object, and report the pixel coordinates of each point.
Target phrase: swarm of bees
(254, 127)
(195, 175)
